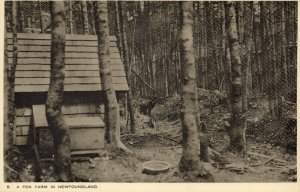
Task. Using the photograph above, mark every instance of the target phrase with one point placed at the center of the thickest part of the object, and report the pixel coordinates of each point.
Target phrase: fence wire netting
(152, 30)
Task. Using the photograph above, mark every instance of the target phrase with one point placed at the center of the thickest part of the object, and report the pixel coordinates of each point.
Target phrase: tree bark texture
(236, 131)
(71, 16)
(273, 70)
(59, 129)
(91, 16)
(11, 74)
(246, 58)
(85, 17)
(190, 141)
(257, 69)
(118, 27)
(203, 142)
(127, 65)
(20, 17)
(113, 116)
(283, 68)
(7, 89)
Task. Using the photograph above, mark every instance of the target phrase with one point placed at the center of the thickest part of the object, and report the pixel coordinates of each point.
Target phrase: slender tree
(264, 45)
(21, 17)
(273, 60)
(283, 73)
(11, 74)
(205, 46)
(41, 16)
(118, 27)
(190, 161)
(237, 129)
(71, 16)
(246, 57)
(59, 129)
(85, 17)
(126, 64)
(112, 110)
(7, 90)
(256, 33)
(7, 130)
(278, 55)
(91, 17)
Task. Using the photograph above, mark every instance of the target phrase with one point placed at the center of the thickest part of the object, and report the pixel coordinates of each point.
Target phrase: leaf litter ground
(268, 159)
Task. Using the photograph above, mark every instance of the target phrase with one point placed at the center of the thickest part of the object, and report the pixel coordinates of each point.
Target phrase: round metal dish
(155, 167)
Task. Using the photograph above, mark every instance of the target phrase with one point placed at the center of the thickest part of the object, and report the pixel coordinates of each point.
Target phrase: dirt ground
(266, 160)
(128, 168)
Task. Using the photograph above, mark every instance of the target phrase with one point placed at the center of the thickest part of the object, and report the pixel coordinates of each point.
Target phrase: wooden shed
(83, 96)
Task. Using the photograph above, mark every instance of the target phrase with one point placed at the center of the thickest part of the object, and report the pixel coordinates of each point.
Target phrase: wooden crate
(86, 133)
(83, 141)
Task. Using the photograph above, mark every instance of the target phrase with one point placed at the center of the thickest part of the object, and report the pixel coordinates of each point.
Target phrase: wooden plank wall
(81, 59)
(24, 118)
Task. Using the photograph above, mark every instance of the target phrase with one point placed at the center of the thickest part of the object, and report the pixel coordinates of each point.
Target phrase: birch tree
(126, 64)
(85, 17)
(59, 129)
(190, 161)
(7, 90)
(112, 109)
(12, 71)
(236, 131)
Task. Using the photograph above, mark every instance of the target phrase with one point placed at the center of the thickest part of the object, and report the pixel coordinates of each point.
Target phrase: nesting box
(86, 133)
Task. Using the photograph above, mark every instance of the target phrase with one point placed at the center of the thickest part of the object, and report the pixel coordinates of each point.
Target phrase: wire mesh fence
(156, 57)
(152, 30)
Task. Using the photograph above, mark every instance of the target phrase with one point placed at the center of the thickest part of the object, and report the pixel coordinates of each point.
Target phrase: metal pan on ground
(155, 167)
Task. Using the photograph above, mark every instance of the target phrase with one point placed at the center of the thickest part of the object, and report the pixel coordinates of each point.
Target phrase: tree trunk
(227, 64)
(59, 129)
(190, 141)
(120, 46)
(11, 75)
(7, 131)
(85, 18)
(278, 55)
(127, 66)
(228, 71)
(205, 46)
(247, 41)
(283, 73)
(8, 138)
(21, 17)
(40, 15)
(112, 112)
(257, 69)
(275, 55)
(270, 59)
(236, 131)
(71, 16)
(203, 142)
(118, 27)
(92, 18)
(264, 50)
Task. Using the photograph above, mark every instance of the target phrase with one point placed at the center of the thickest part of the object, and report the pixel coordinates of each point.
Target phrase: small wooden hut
(83, 96)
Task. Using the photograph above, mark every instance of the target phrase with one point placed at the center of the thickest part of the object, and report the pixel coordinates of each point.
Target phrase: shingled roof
(81, 63)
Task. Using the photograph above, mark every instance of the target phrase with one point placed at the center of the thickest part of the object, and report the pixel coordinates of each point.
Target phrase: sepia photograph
(150, 92)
